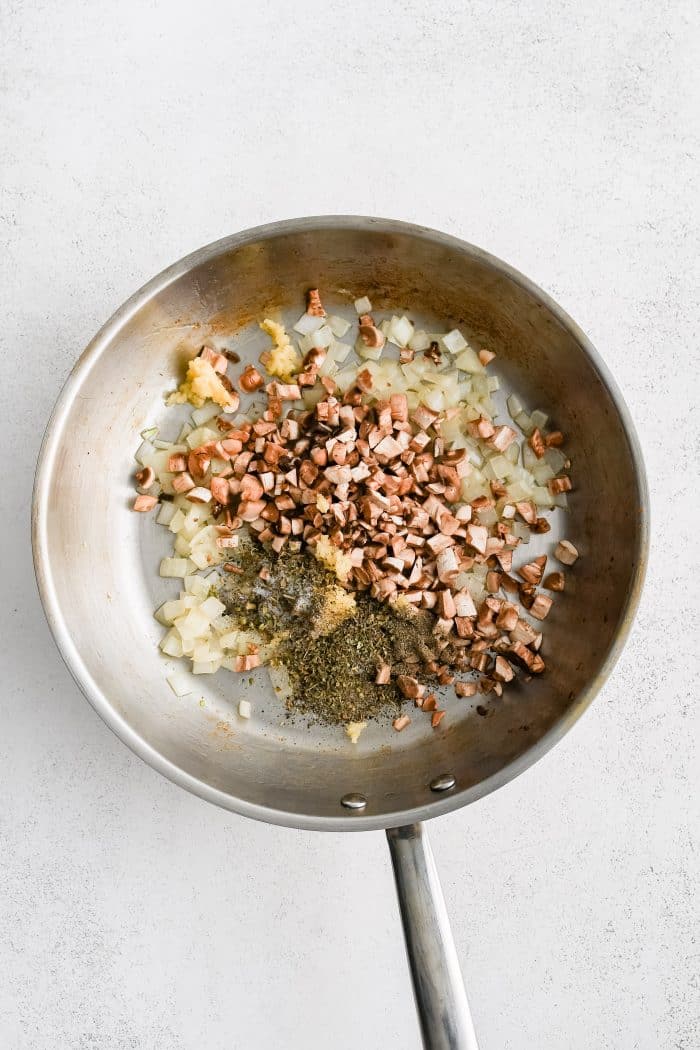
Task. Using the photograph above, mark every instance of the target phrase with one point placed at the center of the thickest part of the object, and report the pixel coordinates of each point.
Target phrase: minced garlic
(200, 383)
(338, 605)
(322, 503)
(282, 361)
(353, 730)
(332, 557)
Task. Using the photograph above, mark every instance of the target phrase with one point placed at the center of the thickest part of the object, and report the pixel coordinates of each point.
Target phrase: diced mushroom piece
(144, 503)
(177, 462)
(484, 428)
(532, 572)
(502, 670)
(477, 537)
(314, 306)
(424, 417)
(464, 626)
(565, 552)
(227, 542)
(533, 661)
(464, 603)
(249, 511)
(486, 357)
(247, 663)
(250, 380)
(527, 511)
(388, 447)
(493, 581)
(555, 439)
(217, 361)
(398, 404)
(502, 438)
(383, 676)
(372, 336)
(507, 617)
(479, 661)
(465, 688)
(145, 478)
(401, 722)
(182, 483)
(410, 687)
(536, 443)
(437, 718)
(540, 606)
(199, 495)
(523, 632)
(447, 565)
(220, 489)
(251, 488)
(557, 485)
(446, 604)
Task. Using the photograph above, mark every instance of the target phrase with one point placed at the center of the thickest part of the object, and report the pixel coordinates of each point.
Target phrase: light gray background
(562, 137)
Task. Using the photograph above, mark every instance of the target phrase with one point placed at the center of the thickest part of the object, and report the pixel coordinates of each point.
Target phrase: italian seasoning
(333, 648)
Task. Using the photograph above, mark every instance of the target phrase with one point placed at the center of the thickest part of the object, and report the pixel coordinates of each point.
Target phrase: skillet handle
(441, 1001)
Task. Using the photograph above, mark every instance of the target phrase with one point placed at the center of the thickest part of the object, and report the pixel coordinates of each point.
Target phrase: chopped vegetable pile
(393, 473)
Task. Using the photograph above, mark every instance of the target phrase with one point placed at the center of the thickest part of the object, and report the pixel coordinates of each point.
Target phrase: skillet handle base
(443, 1010)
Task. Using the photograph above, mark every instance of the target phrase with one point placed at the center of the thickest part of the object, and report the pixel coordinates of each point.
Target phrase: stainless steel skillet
(96, 563)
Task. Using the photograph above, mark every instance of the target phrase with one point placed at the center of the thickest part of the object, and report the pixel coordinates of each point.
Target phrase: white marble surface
(563, 137)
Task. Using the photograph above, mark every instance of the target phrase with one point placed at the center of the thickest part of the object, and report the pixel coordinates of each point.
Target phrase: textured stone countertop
(559, 136)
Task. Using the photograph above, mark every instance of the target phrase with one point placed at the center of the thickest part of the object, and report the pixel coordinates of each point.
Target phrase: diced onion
(244, 708)
(524, 421)
(144, 453)
(322, 338)
(555, 458)
(340, 351)
(179, 682)
(368, 353)
(308, 323)
(212, 607)
(166, 513)
(210, 667)
(419, 341)
(363, 305)
(454, 341)
(539, 419)
(542, 472)
(174, 567)
(515, 406)
(205, 413)
(468, 361)
(338, 325)
(542, 496)
(400, 331)
(171, 645)
(201, 436)
(197, 586)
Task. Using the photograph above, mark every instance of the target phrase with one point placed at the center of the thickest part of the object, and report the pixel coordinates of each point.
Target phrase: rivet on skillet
(353, 800)
(443, 783)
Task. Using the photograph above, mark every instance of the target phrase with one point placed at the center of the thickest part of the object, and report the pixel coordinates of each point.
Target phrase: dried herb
(331, 668)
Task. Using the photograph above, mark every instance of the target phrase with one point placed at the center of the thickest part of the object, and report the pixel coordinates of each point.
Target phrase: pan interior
(97, 562)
